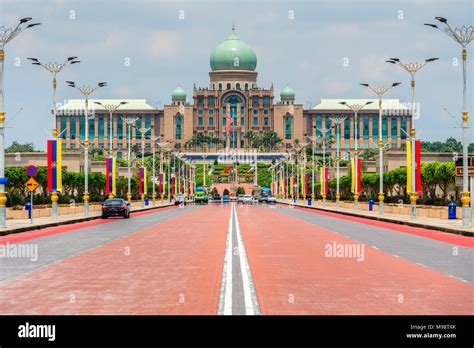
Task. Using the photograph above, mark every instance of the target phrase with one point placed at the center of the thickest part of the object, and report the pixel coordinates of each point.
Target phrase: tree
(240, 191)
(17, 147)
(444, 176)
(226, 192)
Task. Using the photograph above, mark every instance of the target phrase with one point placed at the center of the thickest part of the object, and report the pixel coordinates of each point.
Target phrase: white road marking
(250, 296)
(225, 298)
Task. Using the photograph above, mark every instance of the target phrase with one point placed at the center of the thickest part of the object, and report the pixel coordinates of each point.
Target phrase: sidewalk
(444, 225)
(23, 225)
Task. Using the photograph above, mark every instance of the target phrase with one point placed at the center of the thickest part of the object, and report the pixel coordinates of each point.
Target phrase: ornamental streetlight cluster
(86, 92)
(7, 34)
(380, 91)
(463, 36)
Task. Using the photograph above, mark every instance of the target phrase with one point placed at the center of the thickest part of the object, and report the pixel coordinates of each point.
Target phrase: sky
(322, 49)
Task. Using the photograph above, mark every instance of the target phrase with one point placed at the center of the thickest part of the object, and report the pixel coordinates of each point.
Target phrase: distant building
(233, 89)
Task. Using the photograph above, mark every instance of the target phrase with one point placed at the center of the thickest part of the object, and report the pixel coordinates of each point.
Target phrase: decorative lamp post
(129, 121)
(6, 35)
(338, 121)
(356, 108)
(463, 36)
(380, 91)
(55, 181)
(412, 69)
(86, 92)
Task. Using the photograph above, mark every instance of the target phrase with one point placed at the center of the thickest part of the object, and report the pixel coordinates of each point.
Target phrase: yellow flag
(321, 180)
(353, 175)
(409, 177)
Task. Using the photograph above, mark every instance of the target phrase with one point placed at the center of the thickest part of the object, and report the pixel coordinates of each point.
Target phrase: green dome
(287, 93)
(178, 93)
(223, 56)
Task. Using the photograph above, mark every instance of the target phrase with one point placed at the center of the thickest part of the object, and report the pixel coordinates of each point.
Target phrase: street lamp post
(86, 92)
(412, 68)
(463, 36)
(54, 68)
(338, 121)
(129, 121)
(143, 131)
(323, 183)
(111, 108)
(6, 35)
(380, 91)
(356, 108)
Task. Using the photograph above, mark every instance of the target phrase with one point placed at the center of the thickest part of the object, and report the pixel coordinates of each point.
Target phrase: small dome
(233, 54)
(287, 93)
(178, 93)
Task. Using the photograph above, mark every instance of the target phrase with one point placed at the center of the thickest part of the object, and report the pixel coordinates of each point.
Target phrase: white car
(247, 199)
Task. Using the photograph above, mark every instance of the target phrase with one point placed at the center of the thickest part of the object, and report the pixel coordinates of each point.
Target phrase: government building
(233, 90)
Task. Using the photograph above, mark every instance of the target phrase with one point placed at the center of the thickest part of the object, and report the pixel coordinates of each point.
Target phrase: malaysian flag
(230, 119)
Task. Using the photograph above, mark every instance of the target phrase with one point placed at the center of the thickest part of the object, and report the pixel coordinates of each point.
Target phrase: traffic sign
(31, 170)
(32, 184)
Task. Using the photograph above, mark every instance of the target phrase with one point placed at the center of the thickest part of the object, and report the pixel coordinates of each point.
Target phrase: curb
(384, 219)
(69, 222)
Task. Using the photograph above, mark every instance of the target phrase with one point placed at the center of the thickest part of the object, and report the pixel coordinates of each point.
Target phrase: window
(62, 129)
(366, 126)
(119, 128)
(288, 127)
(319, 126)
(375, 127)
(199, 112)
(213, 86)
(82, 126)
(91, 129)
(242, 110)
(119, 154)
(199, 121)
(200, 100)
(246, 86)
(211, 112)
(223, 121)
(138, 125)
(224, 109)
(347, 128)
(211, 121)
(72, 131)
(148, 126)
(178, 127)
(384, 128)
(237, 86)
(266, 100)
(255, 121)
(393, 127)
(242, 121)
(265, 121)
(255, 112)
(210, 101)
(403, 126)
(265, 112)
(255, 100)
(229, 86)
(220, 86)
(101, 128)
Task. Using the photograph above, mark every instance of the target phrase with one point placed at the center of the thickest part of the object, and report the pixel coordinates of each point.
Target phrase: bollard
(28, 209)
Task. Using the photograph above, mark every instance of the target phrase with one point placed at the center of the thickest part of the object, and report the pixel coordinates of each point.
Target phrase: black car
(115, 207)
(216, 197)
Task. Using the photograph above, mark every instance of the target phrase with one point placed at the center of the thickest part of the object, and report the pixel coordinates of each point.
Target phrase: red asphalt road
(292, 275)
(174, 267)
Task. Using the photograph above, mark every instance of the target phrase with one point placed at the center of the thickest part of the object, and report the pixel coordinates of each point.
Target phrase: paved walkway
(445, 225)
(21, 225)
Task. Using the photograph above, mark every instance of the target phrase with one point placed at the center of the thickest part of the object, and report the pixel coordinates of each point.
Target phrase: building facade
(234, 91)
